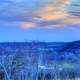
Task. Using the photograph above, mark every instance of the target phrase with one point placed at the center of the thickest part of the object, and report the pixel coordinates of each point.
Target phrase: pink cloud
(27, 25)
(52, 11)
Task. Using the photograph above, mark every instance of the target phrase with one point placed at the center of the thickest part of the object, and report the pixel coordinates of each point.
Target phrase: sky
(41, 20)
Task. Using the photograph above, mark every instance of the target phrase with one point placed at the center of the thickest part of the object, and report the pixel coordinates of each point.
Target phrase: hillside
(32, 60)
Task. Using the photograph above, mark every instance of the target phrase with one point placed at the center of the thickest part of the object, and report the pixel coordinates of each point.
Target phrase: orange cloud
(48, 15)
(74, 21)
(28, 24)
(52, 12)
(67, 23)
(64, 2)
(67, 1)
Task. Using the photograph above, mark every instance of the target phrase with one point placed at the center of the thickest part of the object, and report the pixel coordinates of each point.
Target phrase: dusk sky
(43, 20)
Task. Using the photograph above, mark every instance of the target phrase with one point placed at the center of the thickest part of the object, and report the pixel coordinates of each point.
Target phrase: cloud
(39, 14)
(49, 13)
(74, 21)
(26, 25)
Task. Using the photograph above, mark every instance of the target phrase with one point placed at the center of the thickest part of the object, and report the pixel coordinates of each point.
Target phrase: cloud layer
(40, 14)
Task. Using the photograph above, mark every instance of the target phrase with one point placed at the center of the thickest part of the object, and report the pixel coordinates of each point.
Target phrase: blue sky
(45, 20)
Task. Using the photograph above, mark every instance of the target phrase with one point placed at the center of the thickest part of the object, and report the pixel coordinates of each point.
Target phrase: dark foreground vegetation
(40, 61)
